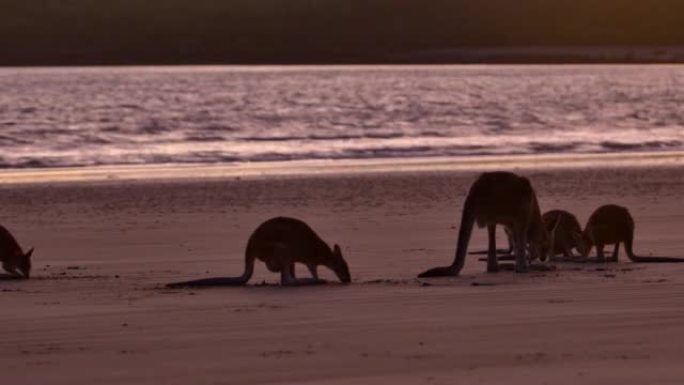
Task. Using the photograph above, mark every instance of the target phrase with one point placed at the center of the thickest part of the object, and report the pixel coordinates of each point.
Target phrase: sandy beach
(96, 312)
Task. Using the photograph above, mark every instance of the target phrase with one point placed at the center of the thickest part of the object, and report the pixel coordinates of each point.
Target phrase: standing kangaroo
(279, 243)
(567, 233)
(12, 256)
(613, 224)
(499, 198)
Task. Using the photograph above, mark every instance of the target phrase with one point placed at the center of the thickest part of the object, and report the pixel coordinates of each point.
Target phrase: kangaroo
(499, 198)
(279, 243)
(613, 224)
(567, 233)
(12, 256)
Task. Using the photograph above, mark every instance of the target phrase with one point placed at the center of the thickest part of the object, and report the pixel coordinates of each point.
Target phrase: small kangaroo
(499, 198)
(567, 233)
(279, 243)
(12, 256)
(613, 224)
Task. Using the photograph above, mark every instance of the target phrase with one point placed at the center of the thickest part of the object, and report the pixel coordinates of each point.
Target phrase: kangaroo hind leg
(616, 250)
(313, 269)
(11, 269)
(520, 248)
(287, 277)
(600, 256)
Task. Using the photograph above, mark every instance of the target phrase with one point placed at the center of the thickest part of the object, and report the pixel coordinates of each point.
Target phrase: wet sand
(96, 310)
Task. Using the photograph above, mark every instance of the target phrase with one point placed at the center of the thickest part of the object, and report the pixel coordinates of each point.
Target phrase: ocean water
(55, 117)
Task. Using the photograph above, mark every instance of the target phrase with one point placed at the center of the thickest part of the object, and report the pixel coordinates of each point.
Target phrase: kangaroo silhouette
(500, 198)
(566, 233)
(613, 224)
(13, 257)
(281, 242)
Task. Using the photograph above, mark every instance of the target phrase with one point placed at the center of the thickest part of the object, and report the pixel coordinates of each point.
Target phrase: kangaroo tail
(464, 232)
(504, 257)
(485, 252)
(224, 281)
(467, 222)
(207, 282)
(638, 259)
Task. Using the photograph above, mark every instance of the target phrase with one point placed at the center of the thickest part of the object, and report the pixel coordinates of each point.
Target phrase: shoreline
(322, 167)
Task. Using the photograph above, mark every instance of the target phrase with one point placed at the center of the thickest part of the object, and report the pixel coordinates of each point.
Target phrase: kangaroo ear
(552, 235)
(28, 254)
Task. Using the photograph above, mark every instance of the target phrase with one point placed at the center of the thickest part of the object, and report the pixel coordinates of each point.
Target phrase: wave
(331, 151)
(204, 138)
(332, 137)
(650, 145)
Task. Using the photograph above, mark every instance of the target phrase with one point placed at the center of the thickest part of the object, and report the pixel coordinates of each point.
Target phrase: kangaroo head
(339, 265)
(541, 243)
(24, 263)
(540, 250)
(548, 246)
(582, 243)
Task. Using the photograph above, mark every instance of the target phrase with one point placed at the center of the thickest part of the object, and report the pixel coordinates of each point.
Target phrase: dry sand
(96, 312)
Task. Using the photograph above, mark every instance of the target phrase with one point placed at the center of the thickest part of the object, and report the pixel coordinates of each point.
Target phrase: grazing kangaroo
(12, 256)
(567, 233)
(613, 224)
(279, 243)
(499, 198)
